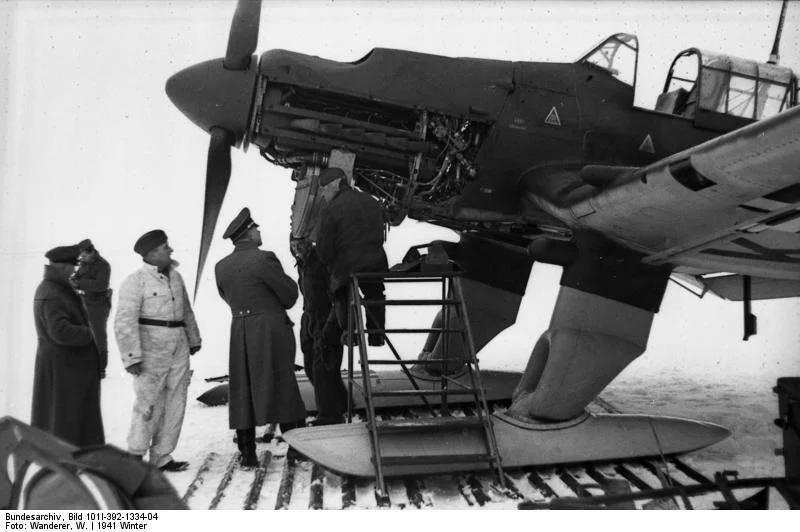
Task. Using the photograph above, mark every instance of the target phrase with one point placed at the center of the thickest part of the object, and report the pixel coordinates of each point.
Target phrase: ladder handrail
(362, 349)
(476, 377)
(350, 308)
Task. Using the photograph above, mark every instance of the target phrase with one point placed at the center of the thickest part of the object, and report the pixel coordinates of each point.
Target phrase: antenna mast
(773, 57)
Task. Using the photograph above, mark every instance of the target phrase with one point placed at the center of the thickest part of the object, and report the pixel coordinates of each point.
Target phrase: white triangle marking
(552, 118)
(647, 145)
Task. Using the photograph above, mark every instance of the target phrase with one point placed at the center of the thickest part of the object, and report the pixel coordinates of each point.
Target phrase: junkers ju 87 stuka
(527, 161)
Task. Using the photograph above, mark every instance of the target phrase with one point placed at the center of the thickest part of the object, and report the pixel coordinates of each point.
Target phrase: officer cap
(86, 245)
(239, 225)
(149, 241)
(63, 254)
(331, 174)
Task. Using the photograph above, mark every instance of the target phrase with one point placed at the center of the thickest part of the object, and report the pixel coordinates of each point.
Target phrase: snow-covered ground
(727, 386)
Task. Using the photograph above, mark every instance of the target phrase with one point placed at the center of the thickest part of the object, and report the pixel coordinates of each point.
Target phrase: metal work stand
(451, 300)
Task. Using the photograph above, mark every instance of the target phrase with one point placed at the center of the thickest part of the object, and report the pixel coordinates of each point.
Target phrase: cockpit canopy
(726, 92)
(617, 55)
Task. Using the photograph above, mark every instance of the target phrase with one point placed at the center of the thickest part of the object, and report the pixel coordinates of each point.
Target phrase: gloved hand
(135, 369)
(193, 350)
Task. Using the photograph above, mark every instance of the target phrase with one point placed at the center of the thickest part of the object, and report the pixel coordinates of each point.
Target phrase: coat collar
(342, 189)
(53, 275)
(153, 269)
(245, 246)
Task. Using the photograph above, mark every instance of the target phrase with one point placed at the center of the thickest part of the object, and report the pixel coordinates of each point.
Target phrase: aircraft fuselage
(457, 139)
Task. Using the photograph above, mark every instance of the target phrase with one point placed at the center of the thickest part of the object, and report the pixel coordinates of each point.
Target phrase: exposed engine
(403, 156)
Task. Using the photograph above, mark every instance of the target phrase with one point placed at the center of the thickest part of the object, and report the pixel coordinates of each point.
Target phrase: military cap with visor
(239, 226)
(68, 254)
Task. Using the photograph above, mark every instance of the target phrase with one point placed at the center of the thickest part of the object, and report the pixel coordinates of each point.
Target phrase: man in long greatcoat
(66, 382)
(263, 387)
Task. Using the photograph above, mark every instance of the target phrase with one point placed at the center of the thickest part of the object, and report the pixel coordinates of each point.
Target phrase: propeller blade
(218, 174)
(243, 38)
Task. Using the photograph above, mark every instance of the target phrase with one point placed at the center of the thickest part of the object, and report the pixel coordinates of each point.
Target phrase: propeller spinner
(217, 96)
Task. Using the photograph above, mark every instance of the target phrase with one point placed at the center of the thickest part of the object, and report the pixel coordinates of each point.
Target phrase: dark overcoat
(351, 235)
(66, 381)
(263, 387)
(93, 279)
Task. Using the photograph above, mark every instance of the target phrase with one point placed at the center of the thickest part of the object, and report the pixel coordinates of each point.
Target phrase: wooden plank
(572, 483)
(690, 472)
(199, 477)
(632, 478)
(443, 492)
(480, 495)
(348, 492)
(268, 497)
(365, 494)
(332, 491)
(413, 491)
(224, 481)
(251, 500)
(286, 485)
(316, 498)
(397, 493)
(556, 484)
(301, 485)
(541, 486)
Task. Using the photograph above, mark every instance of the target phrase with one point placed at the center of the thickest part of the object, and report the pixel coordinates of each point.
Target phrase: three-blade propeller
(242, 42)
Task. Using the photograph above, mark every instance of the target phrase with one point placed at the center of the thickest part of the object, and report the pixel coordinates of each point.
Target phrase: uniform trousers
(161, 391)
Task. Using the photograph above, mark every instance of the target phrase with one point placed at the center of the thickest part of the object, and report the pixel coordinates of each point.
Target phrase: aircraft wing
(731, 204)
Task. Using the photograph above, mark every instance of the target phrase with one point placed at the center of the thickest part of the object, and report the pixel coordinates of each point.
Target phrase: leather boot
(246, 441)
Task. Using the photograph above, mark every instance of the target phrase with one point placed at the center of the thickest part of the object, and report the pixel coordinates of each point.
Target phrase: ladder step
(406, 393)
(378, 331)
(415, 361)
(400, 276)
(435, 459)
(425, 278)
(408, 302)
(410, 425)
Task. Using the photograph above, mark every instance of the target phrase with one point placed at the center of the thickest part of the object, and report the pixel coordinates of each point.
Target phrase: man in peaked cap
(66, 382)
(263, 387)
(350, 240)
(156, 332)
(91, 279)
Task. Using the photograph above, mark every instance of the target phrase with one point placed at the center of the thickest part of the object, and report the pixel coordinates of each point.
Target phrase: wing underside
(729, 205)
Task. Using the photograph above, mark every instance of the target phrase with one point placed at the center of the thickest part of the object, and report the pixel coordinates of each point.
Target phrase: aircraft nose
(212, 96)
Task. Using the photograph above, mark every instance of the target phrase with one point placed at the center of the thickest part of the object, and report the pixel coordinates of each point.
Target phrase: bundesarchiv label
(77, 521)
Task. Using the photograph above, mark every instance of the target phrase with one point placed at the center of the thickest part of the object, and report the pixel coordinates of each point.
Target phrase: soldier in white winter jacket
(156, 333)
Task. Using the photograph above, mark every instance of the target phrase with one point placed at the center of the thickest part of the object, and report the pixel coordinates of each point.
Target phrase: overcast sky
(90, 145)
